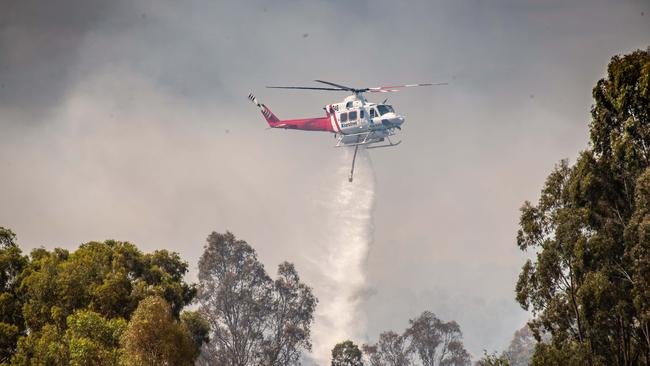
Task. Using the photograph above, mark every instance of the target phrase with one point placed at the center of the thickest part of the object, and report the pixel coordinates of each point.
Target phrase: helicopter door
(352, 118)
(363, 122)
(374, 116)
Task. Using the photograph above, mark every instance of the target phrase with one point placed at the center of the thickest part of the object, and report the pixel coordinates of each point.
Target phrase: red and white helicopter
(354, 121)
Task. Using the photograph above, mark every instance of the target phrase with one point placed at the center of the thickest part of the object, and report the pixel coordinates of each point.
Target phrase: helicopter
(354, 122)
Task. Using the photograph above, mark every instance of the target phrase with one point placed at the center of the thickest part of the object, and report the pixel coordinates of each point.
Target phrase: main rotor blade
(337, 85)
(304, 88)
(394, 88)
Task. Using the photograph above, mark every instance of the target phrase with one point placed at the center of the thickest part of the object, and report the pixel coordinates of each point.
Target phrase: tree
(346, 354)
(197, 327)
(521, 348)
(290, 319)
(153, 337)
(89, 339)
(12, 264)
(45, 347)
(519, 352)
(428, 341)
(93, 339)
(109, 278)
(436, 342)
(234, 297)
(390, 350)
(253, 319)
(638, 232)
(492, 359)
(99, 285)
(587, 284)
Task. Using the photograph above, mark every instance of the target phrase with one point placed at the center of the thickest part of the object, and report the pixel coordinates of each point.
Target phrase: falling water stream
(342, 265)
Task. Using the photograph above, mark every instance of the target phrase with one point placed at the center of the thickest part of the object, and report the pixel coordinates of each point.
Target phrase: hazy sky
(129, 120)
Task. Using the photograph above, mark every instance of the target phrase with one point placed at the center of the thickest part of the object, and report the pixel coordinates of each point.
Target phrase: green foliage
(153, 337)
(346, 354)
(12, 264)
(566, 354)
(65, 308)
(45, 347)
(197, 327)
(9, 334)
(89, 339)
(588, 283)
(94, 340)
(109, 278)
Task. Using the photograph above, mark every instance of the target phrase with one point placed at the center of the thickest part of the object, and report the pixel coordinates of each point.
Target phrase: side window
(353, 115)
(362, 114)
(373, 113)
(344, 117)
(349, 105)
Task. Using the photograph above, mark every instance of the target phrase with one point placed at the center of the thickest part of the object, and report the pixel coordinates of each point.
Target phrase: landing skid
(389, 144)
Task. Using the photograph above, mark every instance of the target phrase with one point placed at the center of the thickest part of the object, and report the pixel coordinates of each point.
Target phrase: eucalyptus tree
(435, 342)
(390, 350)
(253, 319)
(346, 354)
(428, 341)
(587, 282)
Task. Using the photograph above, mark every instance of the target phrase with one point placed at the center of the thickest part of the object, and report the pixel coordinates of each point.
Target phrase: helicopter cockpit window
(362, 114)
(349, 105)
(344, 117)
(352, 115)
(373, 113)
(383, 109)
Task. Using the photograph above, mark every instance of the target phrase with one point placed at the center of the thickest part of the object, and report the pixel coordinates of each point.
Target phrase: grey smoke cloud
(129, 120)
(39, 44)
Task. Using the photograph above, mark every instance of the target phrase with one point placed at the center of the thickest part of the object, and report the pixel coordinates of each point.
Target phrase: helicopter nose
(397, 120)
(392, 121)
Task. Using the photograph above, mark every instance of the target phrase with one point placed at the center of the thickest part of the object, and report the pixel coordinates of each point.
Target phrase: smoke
(342, 261)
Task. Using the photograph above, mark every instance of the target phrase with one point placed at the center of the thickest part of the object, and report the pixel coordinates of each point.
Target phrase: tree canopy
(153, 337)
(588, 284)
(12, 265)
(347, 354)
(428, 341)
(110, 278)
(72, 308)
(253, 319)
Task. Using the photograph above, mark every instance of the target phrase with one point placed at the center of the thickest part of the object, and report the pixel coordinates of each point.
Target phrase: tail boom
(308, 124)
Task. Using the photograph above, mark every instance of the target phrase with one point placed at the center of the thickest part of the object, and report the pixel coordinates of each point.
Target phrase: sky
(129, 120)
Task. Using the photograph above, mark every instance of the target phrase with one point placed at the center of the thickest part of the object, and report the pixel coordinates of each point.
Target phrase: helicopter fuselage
(354, 120)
